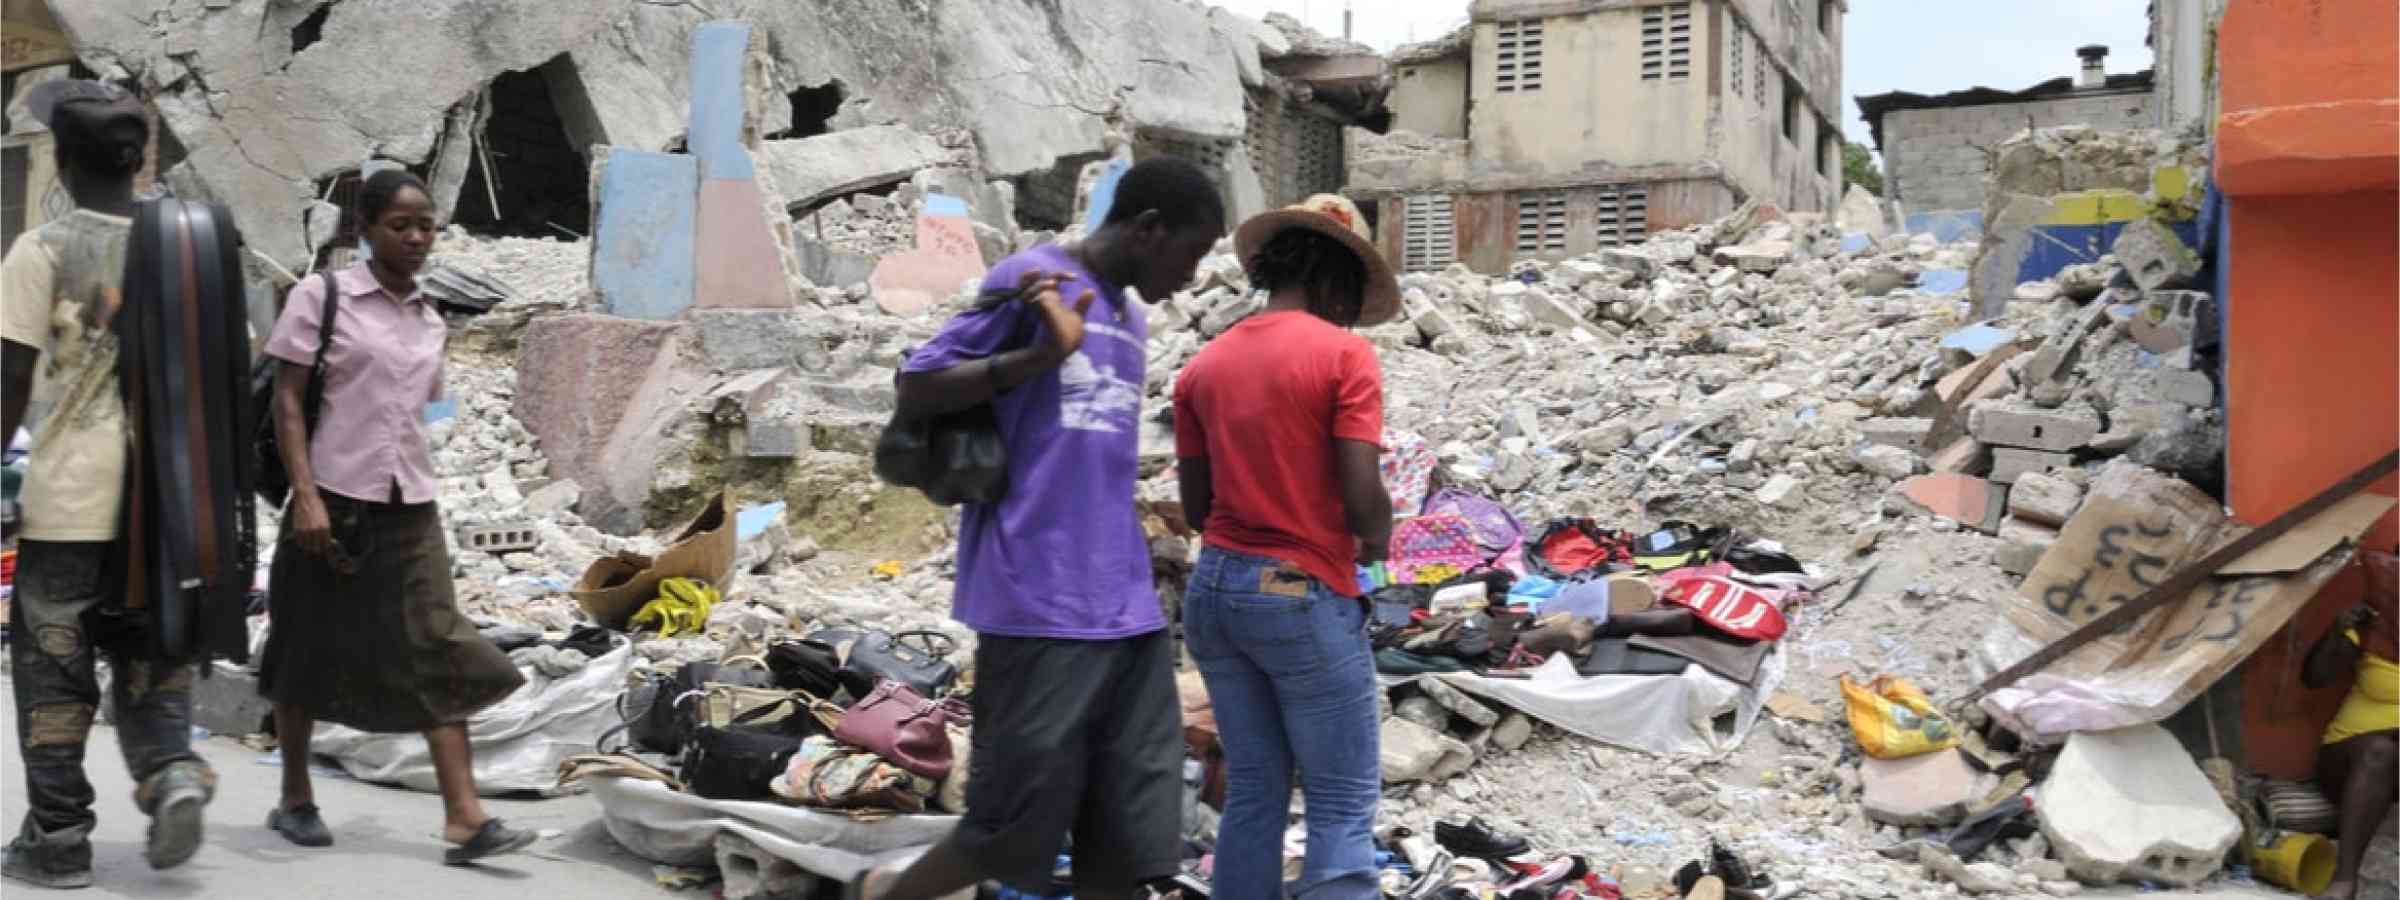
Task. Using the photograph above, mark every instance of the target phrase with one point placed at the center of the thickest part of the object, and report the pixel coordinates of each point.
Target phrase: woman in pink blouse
(366, 630)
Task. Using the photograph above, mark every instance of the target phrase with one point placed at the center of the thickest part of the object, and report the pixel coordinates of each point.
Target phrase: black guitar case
(189, 544)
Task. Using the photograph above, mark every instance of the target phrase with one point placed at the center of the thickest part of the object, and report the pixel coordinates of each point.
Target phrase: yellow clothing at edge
(2374, 701)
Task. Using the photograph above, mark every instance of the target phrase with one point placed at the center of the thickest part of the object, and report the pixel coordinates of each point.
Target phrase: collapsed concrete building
(1939, 149)
(1547, 129)
(499, 104)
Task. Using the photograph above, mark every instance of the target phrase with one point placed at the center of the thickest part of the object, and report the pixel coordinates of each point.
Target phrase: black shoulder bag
(954, 458)
(266, 449)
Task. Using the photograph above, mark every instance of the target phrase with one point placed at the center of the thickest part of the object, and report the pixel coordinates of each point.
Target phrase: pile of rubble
(1768, 375)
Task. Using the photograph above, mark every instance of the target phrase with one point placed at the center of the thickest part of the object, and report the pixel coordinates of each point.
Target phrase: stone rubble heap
(1752, 374)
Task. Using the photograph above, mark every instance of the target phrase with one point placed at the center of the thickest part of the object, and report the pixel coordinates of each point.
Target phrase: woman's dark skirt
(379, 646)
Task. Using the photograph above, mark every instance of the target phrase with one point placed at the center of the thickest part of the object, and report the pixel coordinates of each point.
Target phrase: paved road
(386, 839)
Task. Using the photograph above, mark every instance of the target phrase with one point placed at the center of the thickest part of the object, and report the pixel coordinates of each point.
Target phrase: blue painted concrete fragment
(945, 205)
(2055, 247)
(1947, 225)
(1977, 339)
(642, 258)
(1941, 281)
(1104, 194)
(715, 135)
(753, 520)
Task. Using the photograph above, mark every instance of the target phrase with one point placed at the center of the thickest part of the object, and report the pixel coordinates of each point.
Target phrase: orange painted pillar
(2308, 153)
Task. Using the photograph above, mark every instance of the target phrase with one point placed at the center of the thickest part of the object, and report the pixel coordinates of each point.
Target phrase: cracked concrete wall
(264, 123)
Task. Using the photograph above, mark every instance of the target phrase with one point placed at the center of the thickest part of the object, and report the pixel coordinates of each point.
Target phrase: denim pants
(1292, 681)
(57, 632)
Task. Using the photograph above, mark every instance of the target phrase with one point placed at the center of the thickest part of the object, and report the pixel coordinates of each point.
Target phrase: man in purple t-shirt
(1077, 725)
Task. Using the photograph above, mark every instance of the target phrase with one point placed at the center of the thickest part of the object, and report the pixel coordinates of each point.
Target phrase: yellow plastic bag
(1892, 719)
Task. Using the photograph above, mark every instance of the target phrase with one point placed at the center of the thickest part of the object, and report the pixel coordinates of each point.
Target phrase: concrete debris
(2130, 805)
(1927, 789)
(2022, 544)
(2156, 258)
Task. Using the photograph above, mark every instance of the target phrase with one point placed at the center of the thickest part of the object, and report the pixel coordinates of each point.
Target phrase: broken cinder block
(2044, 498)
(2031, 428)
(495, 539)
(1906, 434)
(1935, 788)
(2022, 544)
(2011, 463)
(2154, 256)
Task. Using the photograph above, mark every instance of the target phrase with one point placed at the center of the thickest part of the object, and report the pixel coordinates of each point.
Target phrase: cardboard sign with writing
(2137, 528)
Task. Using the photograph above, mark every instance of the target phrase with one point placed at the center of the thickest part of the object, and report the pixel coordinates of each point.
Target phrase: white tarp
(1664, 714)
(666, 826)
(518, 742)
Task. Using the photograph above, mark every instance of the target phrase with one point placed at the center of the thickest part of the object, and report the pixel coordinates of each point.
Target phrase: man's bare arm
(17, 363)
(1366, 506)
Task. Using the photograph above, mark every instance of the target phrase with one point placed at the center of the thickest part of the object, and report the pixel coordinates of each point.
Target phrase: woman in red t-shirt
(1278, 424)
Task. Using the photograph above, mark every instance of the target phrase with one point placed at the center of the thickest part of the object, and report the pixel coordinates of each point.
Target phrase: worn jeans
(1292, 682)
(56, 626)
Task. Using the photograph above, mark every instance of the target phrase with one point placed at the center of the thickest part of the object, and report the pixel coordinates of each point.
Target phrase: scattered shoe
(301, 825)
(1474, 838)
(176, 796)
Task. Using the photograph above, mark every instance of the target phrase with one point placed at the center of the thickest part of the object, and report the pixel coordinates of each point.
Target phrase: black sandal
(492, 839)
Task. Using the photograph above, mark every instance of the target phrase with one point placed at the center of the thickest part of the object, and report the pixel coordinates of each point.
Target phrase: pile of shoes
(1471, 859)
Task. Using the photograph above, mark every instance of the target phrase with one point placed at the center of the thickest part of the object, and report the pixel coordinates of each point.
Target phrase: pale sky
(1925, 46)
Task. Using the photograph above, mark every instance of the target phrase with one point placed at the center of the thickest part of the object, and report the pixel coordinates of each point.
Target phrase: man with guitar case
(138, 537)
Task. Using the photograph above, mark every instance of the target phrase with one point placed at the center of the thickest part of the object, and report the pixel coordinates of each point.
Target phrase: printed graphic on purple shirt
(1063, 554)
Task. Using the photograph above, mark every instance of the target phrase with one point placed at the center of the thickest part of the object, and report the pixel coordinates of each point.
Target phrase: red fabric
(1264, 404)
(1725, 604)
(1572, 550)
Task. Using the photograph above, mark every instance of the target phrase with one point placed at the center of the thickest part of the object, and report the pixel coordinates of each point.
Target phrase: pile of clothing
(1467, 588)
(855, 720)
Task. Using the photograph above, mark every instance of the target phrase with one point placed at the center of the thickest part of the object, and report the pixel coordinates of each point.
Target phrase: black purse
(870, 655)
(812, 666)
(740, 761)
(952, 459)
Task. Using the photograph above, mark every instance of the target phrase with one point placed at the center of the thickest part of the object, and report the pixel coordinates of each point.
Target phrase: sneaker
(176, 796)
(1476, 839)
(301, 825)
(58, 864)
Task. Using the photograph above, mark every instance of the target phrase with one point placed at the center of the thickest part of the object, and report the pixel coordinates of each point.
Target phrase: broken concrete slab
(2032, 428)
(1458, 703)
(2022, 544)
(227, 702)
(1890, 462)
(2186, 387)
(2130, 805)
(1782, 492)
(739, 339)
(1412, 752)
(2011, 463)
(810, 170)
(1905, 433)
(1964, 456)
(1970, 501)
(2044, 499)
(600, 394)
(1935, 788)
(2168, 321)
(642, 248)
(945, 260)
(736, 261)
(2154, 256)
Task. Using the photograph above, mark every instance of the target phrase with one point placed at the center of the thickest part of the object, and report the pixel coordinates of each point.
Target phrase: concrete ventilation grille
(500, 538)
(1428, 241)
(1667, 41)
(1624, 214)
(1758, 73)
(1542, 222)
(1737, 40)
(1519, 59)
(1318, 148)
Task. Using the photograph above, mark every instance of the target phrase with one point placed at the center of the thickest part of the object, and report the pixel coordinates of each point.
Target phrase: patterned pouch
(1434, 540)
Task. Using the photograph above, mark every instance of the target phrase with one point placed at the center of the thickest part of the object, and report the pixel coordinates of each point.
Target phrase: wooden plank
(2184, 580)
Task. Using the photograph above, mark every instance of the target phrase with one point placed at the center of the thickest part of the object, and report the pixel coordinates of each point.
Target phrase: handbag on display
(903, 727)
(806, 665)
(740, 760)
(918, 659)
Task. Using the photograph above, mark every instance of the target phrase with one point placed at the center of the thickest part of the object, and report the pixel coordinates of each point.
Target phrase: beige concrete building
(1555, 127)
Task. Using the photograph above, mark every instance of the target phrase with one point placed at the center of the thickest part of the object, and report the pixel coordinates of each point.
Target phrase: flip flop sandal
(493, 839)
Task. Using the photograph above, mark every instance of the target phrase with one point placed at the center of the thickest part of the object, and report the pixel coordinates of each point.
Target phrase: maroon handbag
(905, 729)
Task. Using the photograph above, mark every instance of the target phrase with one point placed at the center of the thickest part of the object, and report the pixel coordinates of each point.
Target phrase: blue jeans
(1292, 680)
